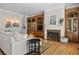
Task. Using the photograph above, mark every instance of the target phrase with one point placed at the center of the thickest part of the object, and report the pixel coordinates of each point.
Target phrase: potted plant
(61, 21)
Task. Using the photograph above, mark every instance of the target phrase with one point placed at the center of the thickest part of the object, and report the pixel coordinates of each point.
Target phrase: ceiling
(28, 8)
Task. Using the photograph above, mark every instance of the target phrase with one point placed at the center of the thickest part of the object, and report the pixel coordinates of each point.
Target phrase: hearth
(53, 35)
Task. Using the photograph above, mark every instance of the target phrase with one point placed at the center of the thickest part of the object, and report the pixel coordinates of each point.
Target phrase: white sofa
(13, 44)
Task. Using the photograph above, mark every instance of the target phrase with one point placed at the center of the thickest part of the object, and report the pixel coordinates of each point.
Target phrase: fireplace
(53, 35)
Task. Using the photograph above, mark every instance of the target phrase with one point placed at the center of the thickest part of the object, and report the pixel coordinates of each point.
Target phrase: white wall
(59, 12)
(7, 13)
(24, 23)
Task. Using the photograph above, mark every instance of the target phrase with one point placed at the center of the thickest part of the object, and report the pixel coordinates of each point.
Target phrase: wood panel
(36, 32)
(72, 36)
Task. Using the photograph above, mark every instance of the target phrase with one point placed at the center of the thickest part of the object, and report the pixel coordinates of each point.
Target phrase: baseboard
(2, 51)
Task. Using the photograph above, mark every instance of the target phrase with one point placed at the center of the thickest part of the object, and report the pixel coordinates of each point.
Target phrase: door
(72, 29)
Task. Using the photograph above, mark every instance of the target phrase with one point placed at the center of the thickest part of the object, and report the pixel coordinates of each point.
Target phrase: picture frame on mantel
(53, 20)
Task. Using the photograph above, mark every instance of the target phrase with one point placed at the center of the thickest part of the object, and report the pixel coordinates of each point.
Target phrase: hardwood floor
(58, 48)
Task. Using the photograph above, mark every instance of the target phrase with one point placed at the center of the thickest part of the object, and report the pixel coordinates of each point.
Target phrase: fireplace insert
(53, 35)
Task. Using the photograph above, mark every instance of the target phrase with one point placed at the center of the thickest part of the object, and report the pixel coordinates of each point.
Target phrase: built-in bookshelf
(35, 25)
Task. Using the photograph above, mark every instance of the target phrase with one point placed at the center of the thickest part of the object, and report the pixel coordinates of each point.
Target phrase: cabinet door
(69, 25)
(33, 24)
(28, 24)
(75, 24)
(75, 28)
(72, 29)
(40, 23)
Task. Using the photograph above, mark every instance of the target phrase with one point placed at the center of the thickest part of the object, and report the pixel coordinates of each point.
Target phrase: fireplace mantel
(53, 27)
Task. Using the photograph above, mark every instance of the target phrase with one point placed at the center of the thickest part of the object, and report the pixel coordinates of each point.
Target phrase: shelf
(35, 26)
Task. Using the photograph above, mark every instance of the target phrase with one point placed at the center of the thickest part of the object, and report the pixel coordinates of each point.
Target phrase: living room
(56, 25)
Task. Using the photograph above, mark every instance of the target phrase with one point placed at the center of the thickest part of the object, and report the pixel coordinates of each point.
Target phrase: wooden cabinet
(35, 25)
(72, 24)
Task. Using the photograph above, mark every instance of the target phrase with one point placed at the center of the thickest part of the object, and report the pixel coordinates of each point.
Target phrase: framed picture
(8, 24)
(53, 20)
(15, 24)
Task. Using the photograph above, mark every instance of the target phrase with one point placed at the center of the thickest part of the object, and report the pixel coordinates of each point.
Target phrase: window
(53, 20)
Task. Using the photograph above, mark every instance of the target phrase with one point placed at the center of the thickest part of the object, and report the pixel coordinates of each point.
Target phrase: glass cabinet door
(40, 24)
(29, 26)
(74, 24)
(33, 25)
(69, 24)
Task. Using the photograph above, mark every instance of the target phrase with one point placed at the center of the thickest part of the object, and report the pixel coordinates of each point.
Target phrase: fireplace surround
(53, 35)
